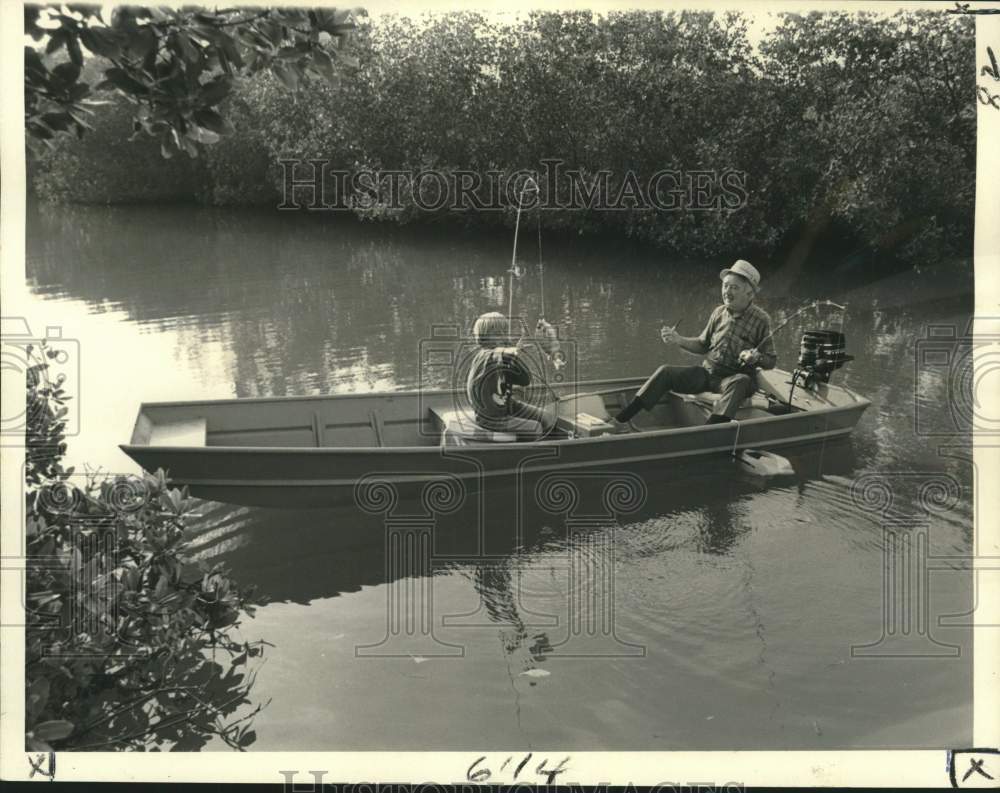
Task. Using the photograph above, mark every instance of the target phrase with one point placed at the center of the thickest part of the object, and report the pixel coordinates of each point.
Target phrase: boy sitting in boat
(736, 340)
(497, 367)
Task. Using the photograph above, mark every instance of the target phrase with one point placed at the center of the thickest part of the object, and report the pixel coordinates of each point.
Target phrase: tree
(174, 65)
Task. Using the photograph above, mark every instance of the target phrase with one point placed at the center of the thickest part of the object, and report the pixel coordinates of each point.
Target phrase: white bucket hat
(746, 270)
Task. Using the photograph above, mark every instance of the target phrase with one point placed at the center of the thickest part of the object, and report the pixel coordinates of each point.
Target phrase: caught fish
(548, 337)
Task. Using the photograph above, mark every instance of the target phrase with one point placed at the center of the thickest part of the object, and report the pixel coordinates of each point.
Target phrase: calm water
(734, 603)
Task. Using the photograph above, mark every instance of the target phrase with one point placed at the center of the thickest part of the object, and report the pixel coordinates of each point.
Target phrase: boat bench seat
(753, 407)
(709, 398)
(458, 428)
(189, 432)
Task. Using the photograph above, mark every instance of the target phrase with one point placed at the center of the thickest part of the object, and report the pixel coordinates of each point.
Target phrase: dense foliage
(174, 66)
(858, 128)
(128, 643)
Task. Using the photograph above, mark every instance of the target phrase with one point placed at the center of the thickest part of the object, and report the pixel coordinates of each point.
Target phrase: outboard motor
(821, 353)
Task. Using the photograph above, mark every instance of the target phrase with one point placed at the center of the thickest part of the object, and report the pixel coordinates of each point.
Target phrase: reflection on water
(714, 611)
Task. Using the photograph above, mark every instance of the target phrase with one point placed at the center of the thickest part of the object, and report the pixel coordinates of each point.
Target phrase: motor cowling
(821, 353)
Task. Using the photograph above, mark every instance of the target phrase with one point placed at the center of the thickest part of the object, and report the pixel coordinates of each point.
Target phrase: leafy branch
(175, 65)
(124, 629)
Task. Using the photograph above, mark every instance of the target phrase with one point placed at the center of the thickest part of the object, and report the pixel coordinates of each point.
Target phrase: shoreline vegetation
(130, 644)
(851, 131)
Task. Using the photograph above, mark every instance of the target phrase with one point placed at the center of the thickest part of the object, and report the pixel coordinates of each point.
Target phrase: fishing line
(541, 267)
(513, 257)
(530, 185)
(813, 305)
(807, 365)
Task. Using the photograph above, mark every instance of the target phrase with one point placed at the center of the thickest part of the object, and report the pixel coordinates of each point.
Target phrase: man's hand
(669, 335)
(750, 357)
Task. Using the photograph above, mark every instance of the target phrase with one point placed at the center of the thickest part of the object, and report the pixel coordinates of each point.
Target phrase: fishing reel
(821, 353)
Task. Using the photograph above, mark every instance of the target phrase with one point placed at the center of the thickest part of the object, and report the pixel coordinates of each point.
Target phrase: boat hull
(329, 476)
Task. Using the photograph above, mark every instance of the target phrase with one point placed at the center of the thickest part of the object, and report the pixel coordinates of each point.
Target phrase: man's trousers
(733, 390)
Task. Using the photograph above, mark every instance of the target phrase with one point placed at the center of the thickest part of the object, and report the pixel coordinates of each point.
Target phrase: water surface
(736, 603)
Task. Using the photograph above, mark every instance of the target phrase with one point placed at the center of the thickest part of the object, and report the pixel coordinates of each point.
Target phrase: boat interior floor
(393, 422)
(590, 415)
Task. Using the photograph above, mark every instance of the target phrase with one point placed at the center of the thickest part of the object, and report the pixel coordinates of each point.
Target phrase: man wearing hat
(734, 342)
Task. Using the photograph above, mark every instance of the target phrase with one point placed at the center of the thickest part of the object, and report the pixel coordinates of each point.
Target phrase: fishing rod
(530, 185)
(821, 353)
(746, 355)
(515, 271)
(813, 305)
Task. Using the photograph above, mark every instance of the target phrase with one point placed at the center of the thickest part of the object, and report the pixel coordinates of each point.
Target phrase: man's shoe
(620, 427)
(715, 418)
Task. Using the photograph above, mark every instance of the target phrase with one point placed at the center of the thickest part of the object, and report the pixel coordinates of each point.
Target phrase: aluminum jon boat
(313, 451)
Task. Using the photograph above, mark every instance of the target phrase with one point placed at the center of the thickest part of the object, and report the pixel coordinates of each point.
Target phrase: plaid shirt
(726, 336)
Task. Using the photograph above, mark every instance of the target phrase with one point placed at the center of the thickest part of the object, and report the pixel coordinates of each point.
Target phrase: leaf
(187, 49)
(141, 42)
(247, 738)
(38, 600)
(287, 76)
(67, 72)
(335, 22)
(39, 691)
(209, 119)
(59, 122)
(53, 730)
(101, 41)
(121, 80)
(324, 65)
(35, 745)
(33, 62)
(34, 525)
(201, 135)
(228, 46)
(131, 578)
(215, 91)
(75, 55)
(57, 40)
(31, 22)
(123, 18)
(78, 92)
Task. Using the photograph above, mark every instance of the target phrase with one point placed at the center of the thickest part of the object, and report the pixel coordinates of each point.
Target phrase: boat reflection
(303, 555)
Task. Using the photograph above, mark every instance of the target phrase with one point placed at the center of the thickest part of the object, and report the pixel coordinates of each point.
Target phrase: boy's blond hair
(491, 330)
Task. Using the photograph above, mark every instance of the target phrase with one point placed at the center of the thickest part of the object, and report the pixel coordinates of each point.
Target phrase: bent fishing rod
(797, 374)
(815, 304)
(530, 186)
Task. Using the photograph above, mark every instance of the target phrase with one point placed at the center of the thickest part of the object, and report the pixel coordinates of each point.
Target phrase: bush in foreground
(128, 643)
